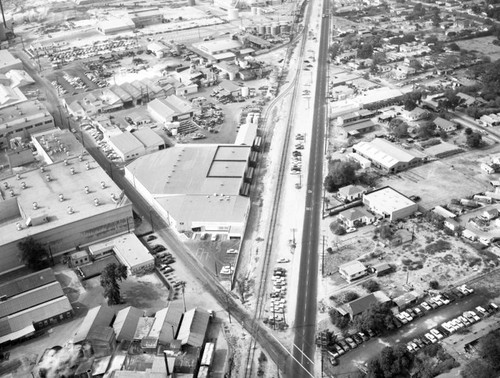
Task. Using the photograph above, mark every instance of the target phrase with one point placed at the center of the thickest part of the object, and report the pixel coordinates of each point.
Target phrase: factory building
(389, 203)
(22, 120)
(64, 206)
(198, 188)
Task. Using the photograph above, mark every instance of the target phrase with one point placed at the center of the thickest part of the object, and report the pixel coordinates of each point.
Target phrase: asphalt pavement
(417, 328)
(305, 316)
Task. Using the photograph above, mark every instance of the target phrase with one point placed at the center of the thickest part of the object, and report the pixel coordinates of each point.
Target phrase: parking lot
(417, 328)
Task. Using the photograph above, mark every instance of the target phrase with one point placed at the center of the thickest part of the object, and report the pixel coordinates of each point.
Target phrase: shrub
(371, 285)
(434, 285)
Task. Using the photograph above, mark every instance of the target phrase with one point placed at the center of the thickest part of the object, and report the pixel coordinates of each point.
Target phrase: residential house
(351, 192)
(356, 216)
(360, 305)
(487, 168)
(407, 299)
(451, 224)
(444, 124)
(352, 270)
(490, 214)
(416, 114)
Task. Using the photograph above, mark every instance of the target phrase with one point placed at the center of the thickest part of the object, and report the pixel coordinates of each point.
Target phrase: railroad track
(262, 287)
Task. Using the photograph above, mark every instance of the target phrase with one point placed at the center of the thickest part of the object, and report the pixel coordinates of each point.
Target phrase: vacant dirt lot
(439, 181)
(483, 45)
(432, 255)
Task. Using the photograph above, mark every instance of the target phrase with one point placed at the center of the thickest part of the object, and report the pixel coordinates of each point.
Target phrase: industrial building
(30, 303)
(65, 205)
(193, 328)
(129, 251)
(219, 49)
(144, 17)
(22, 120)
(170, 109)
(115, 26)
(386, 155)
(389, 203)
(197, 188)
(9, 62)
(130, 145)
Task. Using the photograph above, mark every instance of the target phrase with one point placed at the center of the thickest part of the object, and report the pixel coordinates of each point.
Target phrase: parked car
(425, 306)
(158, 248)
(436, 334)
(430, 337)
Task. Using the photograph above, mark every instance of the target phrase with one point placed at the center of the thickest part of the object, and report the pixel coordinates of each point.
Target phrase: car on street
(283, 260)
(351, 229)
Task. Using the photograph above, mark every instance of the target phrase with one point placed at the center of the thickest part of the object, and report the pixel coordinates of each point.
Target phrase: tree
(334, 50)
(454, 47)
(365, 51)
(378, 318)
(371, 285)
(489, 349)
(474, 140)
(391, 362)
(341, 173)
(33, 254)
(338, 319)
(110, 276)
(385, 231)
(401, 131)
(426, 130)
(468, 131)
(477, 369)
(434, 285)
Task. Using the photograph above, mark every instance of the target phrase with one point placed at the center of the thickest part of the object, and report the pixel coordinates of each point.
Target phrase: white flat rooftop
(389, 199)
(19, 208)
(192, 169)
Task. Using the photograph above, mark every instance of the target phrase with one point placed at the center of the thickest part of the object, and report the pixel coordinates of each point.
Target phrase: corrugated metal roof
(31, 298)
(194, 327)
(26, 283)
(97, 316)
(125, 323)
(172, 320)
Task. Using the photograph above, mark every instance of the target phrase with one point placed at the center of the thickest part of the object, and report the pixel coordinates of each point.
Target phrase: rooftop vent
(42, 169)
(87, 190)
(61, 197)
(103, 185)
(6, 185)
(48, 178)
(113, 198)
(18, 226)
(72, 170)
(65, 161)
(11, 193)
(87, 166)
(23, 185)
(70, 210)
(80, 157)
(35, 205)
(18, 176)
(96, 202)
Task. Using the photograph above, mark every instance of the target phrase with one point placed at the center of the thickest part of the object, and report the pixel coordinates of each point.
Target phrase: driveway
(369, 349)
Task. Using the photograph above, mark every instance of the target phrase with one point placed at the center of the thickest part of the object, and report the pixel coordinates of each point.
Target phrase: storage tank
(233, 14)
(275, 29)
(245, 91)
(261, 29)
(268, 29)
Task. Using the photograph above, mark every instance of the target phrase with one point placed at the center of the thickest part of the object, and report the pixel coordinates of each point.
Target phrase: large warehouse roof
(44, 188)
(383, 152)
(192, 169)
(27, 283)
(193, 327)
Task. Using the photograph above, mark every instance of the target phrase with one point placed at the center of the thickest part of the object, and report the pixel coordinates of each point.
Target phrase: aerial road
(305, 315)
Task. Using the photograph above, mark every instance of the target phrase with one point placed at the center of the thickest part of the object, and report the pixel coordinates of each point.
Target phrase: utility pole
(323, 258)
(183, 297)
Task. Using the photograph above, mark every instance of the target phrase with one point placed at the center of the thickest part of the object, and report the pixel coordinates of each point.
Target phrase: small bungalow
(351, 192)
(356, 216)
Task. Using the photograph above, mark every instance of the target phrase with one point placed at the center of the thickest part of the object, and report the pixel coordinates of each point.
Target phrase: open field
(440, 181)
(483, 45)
